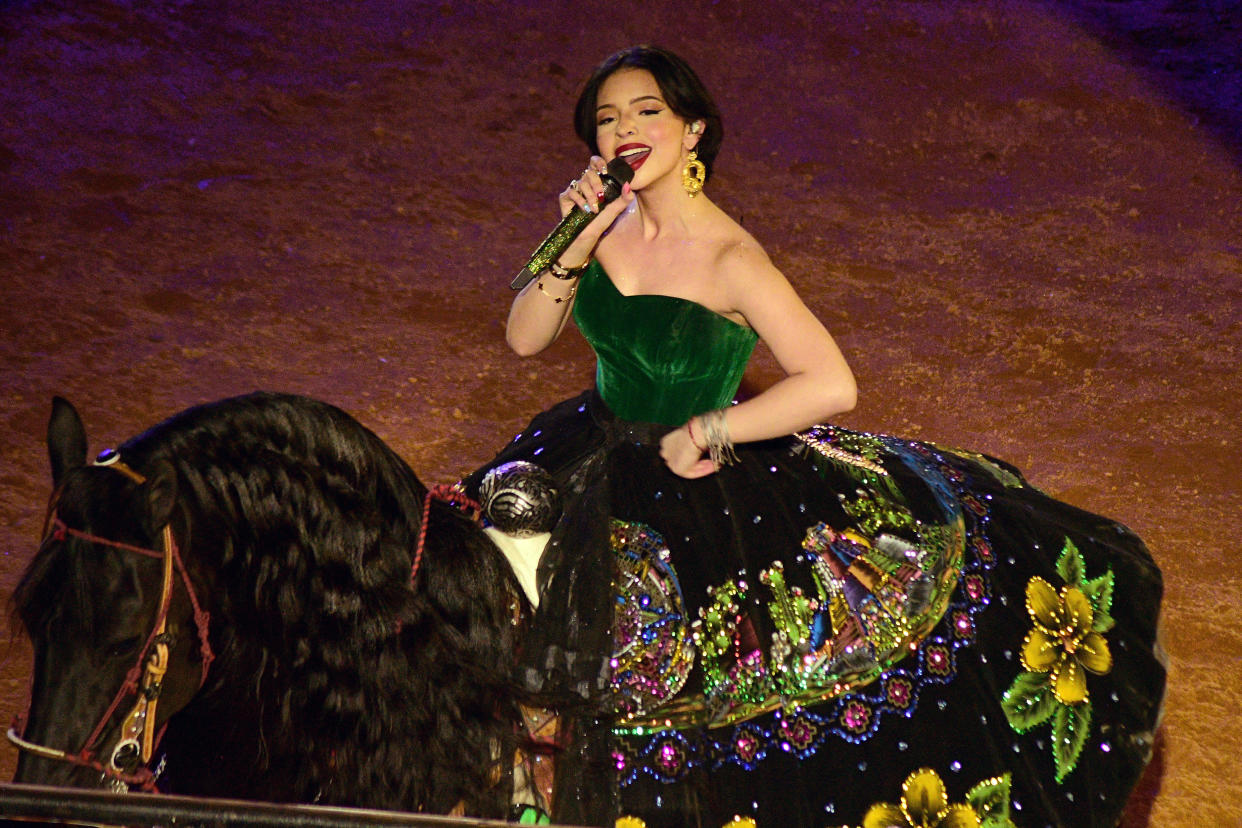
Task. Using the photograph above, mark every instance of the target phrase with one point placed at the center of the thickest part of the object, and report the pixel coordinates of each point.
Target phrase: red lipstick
(634, 154)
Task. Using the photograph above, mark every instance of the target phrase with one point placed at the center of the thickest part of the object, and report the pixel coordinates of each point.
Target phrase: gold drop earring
(693, 175)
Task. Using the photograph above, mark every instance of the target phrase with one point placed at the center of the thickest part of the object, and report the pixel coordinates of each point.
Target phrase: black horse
(310, 627)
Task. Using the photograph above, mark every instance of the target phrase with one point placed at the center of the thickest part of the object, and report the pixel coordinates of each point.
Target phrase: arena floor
(1021, 220)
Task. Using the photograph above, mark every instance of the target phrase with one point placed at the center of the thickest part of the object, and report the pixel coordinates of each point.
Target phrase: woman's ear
(694, 132)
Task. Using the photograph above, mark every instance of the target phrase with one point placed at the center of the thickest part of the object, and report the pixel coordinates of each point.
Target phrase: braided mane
(336, 679)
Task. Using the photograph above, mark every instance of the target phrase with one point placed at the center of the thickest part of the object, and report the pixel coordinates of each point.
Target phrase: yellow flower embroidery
(924, 804)
(635, 822)
(1062, 640)
(1066, 643)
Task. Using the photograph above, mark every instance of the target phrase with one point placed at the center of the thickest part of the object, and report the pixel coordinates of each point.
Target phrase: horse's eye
(126, 647)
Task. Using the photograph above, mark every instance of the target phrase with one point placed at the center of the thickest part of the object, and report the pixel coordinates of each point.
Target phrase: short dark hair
(680, 86)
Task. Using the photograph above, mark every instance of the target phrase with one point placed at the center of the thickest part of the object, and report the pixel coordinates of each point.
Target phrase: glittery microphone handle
(555, 244)
(557, 241)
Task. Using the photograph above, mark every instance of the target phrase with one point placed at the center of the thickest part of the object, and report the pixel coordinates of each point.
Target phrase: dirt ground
(1021, 220)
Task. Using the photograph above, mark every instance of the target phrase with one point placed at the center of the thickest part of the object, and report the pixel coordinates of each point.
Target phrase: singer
(747, 616)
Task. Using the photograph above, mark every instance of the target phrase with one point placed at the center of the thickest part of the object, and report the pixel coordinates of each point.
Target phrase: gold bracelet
(557, 299)
(566, 273)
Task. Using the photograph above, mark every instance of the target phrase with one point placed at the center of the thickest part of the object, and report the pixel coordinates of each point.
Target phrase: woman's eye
(652, 111)
(606, 119)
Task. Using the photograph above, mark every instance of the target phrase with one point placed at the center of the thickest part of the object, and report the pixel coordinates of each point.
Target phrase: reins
(451, 494)
(145, 678)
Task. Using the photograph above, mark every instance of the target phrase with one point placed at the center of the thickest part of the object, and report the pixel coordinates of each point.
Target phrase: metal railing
(91, 807)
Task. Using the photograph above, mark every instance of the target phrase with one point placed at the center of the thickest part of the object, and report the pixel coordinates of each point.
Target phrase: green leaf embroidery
(1029, 701)
(1070, 726)
(990, 801)
(1070, 565)
(1100, 592)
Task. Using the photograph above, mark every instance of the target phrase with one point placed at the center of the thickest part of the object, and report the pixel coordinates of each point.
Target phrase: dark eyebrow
(656, 98)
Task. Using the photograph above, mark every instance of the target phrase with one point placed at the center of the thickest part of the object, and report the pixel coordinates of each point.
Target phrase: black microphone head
(619, 173)
(620, 170)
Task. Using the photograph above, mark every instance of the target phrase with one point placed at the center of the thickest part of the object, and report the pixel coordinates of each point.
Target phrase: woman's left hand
(683, 457)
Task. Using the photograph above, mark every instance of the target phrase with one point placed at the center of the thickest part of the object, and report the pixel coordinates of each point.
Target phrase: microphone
(563, 236)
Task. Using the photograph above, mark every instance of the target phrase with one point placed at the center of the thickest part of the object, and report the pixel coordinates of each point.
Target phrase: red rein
(446, 493)
(134, 679)
(132, 685)
(202, 618)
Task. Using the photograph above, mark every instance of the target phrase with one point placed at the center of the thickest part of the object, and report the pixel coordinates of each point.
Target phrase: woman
(745, 615)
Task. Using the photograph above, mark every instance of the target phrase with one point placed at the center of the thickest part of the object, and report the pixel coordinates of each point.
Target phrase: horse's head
(344, 651)
(114, 653)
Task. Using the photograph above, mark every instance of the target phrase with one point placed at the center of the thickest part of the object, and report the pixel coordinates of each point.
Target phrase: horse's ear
(160, 491)
(66, 438)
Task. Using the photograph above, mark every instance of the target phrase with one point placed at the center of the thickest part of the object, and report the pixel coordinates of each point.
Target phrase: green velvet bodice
(660, 359)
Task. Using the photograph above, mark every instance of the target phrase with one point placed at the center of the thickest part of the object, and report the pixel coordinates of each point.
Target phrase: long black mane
(336, 679)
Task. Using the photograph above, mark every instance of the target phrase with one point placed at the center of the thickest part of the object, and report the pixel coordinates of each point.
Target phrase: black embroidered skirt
(836, 621)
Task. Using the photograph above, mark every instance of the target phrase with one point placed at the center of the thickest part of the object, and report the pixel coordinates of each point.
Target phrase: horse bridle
(145, 678)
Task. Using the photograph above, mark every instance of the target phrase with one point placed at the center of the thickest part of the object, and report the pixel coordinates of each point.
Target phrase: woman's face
(633, 122)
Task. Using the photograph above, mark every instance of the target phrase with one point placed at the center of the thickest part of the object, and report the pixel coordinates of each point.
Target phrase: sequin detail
(875, 598)
(653, 653)
(786, 697)
(1065, 643)
(925, 804)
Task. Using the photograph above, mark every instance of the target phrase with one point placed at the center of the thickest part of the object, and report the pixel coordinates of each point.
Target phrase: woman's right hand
(586, 192)
(540, 311)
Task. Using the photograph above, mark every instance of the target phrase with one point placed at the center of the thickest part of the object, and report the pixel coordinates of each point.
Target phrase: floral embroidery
(747, 744)
(963, 625)
(975, 587)
(856, 716)
(938, 659)
(925, 804)
(671, 758)
(899, 692)
(799, 731)
(982, 548)
(1065, 643)
(635, 822)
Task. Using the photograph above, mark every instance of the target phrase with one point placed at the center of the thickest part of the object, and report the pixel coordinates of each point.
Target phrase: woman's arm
(540, 311)
(818, 383)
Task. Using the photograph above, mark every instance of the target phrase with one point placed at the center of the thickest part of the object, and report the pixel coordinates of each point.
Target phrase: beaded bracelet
(690, 431)
(566, 273)
(716, 432)
(556, 299)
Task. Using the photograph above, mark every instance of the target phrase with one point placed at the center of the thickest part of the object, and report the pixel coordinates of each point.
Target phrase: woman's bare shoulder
(735, 248)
